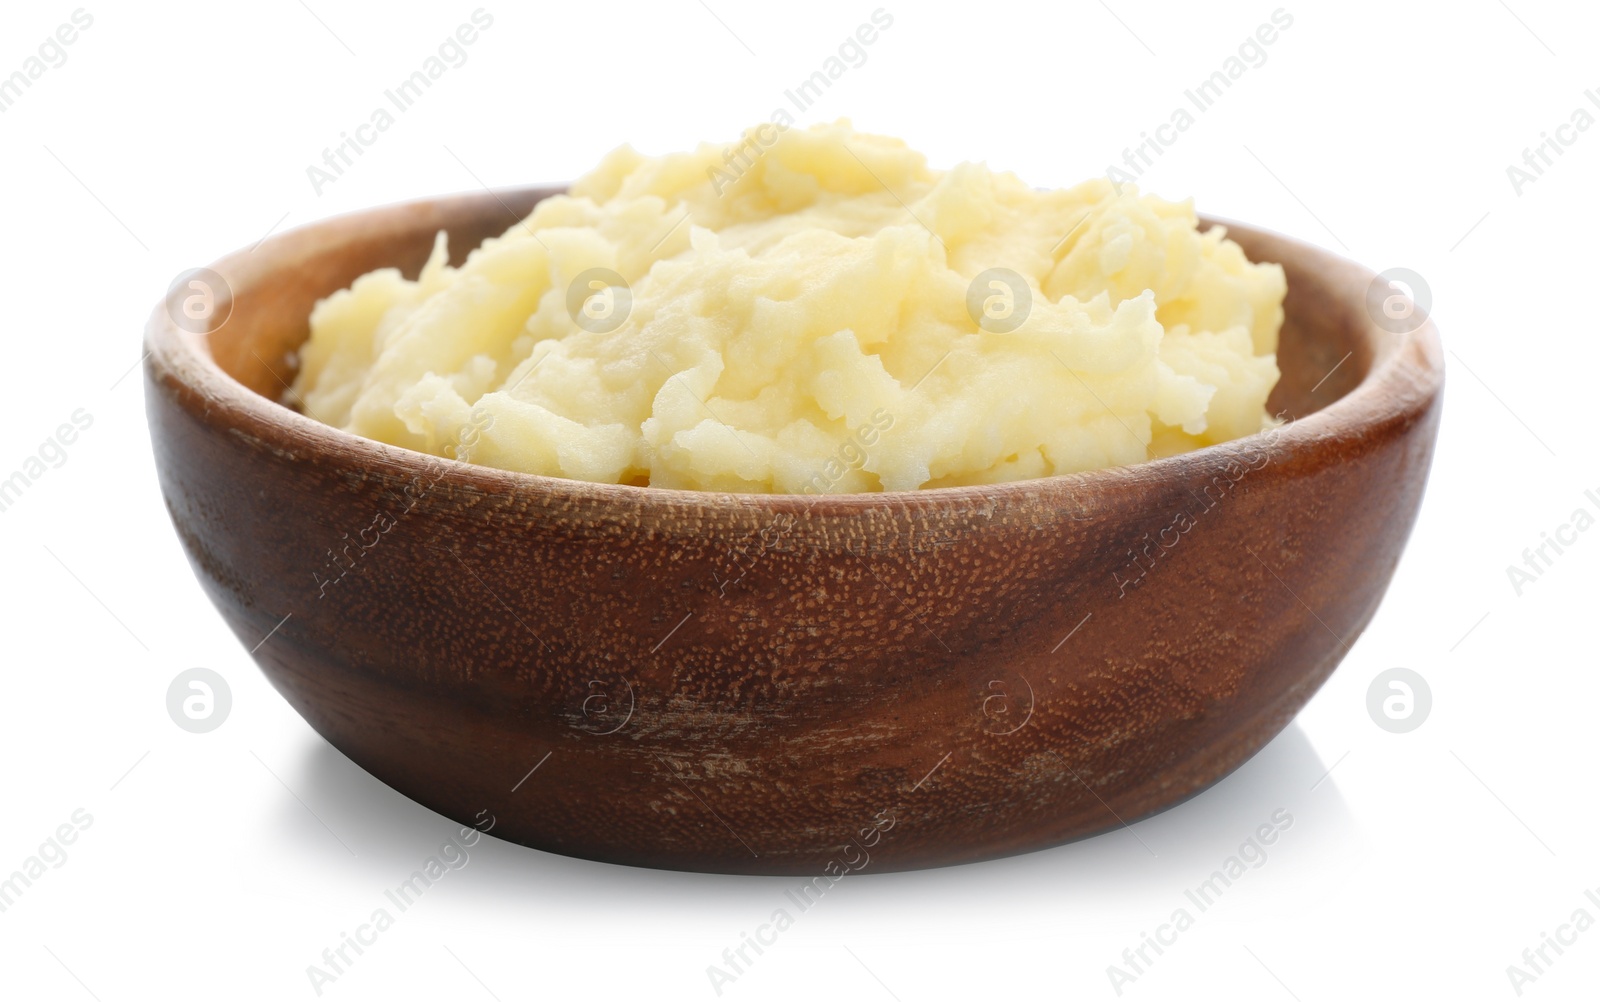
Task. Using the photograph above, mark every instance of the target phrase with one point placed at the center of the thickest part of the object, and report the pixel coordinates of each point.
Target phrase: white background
(221, 865)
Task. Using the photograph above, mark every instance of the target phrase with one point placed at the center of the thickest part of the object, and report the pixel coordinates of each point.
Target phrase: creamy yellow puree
(809, 311)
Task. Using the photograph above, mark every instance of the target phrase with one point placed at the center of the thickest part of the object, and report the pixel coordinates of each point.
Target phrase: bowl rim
(1405, 375)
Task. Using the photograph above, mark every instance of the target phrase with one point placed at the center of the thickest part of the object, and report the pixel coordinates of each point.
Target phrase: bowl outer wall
(784, 684)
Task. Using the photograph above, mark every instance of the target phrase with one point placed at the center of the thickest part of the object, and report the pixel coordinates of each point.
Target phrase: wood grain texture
(760, 684)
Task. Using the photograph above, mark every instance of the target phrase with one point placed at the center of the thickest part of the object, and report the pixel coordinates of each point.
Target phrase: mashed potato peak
(818, 312)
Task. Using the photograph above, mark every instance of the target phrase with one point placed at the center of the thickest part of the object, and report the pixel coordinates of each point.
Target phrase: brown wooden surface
(714, 699)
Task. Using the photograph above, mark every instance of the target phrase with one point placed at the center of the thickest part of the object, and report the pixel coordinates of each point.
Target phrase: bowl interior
(1323, 352)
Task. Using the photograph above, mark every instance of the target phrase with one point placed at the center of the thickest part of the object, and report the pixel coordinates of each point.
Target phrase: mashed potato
(809, 311)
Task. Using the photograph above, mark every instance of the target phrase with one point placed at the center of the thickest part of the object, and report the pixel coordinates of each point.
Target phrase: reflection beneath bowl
(1159, 855)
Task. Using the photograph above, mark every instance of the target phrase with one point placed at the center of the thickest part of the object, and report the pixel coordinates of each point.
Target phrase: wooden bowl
(785, 684)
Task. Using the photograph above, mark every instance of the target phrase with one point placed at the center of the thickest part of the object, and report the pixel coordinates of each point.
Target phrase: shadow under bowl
(785, 684)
